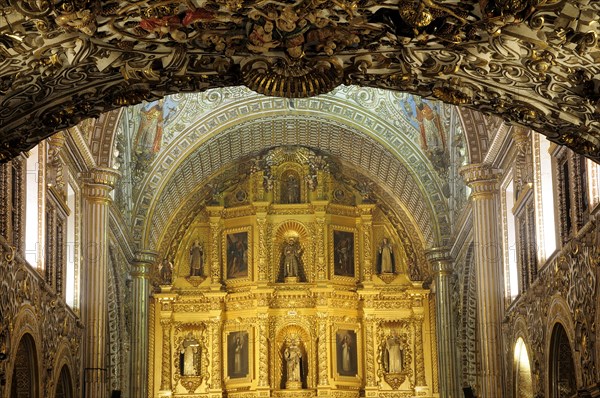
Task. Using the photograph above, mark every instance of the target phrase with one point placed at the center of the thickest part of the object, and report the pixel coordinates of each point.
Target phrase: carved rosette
(292, 79)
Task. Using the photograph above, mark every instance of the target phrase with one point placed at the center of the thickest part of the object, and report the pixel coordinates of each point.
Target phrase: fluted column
(142, 266)
(482, 179)
(98, 184)
(445, 326)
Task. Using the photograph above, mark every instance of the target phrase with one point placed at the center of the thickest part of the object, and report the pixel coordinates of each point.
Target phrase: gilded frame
(231, 238)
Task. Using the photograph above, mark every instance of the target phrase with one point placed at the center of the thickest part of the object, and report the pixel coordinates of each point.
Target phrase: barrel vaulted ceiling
(373, 131)
(536, 62)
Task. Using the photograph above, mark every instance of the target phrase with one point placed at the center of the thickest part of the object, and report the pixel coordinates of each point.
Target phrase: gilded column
(366, 228)
(322, 349)
(482, 180)
(320, 238)
(261, 221)
(98, 184)
(371, 348)
(215, 238)
(142, 266)
(419, 358)
(263, 350)
(215, 382)
(166, 377)
(445, 326)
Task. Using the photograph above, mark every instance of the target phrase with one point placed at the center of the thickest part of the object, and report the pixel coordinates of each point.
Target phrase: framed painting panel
(238, 351)
(237, 254)
(343, 250)
(346, 353)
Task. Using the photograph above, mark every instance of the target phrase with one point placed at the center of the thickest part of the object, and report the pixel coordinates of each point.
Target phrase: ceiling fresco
(536, 62)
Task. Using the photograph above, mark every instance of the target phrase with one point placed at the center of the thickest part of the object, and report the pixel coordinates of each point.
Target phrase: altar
(292, 284)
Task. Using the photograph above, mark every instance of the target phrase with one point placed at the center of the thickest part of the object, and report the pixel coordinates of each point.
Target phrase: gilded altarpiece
(296, 294)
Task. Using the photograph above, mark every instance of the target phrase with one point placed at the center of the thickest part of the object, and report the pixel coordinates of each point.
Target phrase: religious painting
(237, 355)
(237, 255)
(343, 253)
(346, 352)
(154, 117)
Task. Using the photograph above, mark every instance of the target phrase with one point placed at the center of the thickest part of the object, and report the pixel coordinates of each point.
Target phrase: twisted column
(98, 184)
(482, 179)
(445, 326)
(142, 266)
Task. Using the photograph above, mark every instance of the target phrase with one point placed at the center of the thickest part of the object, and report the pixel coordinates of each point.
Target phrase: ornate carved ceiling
(210, 131)
(536, 62)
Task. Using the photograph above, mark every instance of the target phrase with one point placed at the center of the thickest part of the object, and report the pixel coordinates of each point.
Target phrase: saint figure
(166, 271)
(188, 356)
(196, 259)
(394, 354)
(386, 257)
(346, 364)
(293, 358)
(292, 193)
(291, 258)
(430, 127)
(237, 356)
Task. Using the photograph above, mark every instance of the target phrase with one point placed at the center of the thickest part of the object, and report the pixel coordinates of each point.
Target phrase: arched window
(511, 272)
(522, 368)
(72, 263)
(544, 184)
(563, 381)
(33, 204)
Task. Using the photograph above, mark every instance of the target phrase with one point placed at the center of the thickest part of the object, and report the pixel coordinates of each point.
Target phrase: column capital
(440, 259)
(143, 262)
(99, 182)
(482, 178)
(145, 256)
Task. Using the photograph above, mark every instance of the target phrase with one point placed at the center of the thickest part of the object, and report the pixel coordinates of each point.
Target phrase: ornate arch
(559, 314)
(26, 325)
(531, 62)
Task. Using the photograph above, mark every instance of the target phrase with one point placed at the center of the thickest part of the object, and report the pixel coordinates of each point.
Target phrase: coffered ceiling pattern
(536, 62)
(365, 127)
(250, 137)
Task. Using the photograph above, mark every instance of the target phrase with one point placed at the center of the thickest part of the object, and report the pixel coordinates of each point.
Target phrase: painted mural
(154, 118)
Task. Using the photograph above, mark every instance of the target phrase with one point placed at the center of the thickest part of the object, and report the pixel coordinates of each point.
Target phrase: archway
(563, 382)
(522, 369)
(64, 387)
(24, 379)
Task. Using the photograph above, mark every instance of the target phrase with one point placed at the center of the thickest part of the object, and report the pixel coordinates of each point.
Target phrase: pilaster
(216, 226)
(320, 232)
(96, 190)
(442, 266)
(482, 179)
(366, 232)
(142, 266)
